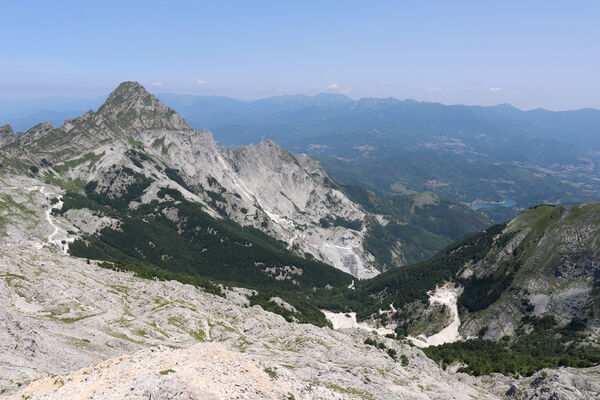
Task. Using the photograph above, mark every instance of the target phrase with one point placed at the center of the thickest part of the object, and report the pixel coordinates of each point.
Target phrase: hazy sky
(527, 53)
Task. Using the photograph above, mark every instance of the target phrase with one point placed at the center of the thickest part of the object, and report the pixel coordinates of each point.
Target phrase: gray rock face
(579, 266)
(130, 108)
(6, 135)
(167, 340)
(271, 189)
(290, 197)
(36, 132)
(558, 271)
(59, 314)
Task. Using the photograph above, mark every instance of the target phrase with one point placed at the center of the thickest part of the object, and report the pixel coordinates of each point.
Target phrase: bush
(404, 360)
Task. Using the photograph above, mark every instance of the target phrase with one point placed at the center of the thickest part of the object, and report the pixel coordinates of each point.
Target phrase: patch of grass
(70, 320)
(125, 337)
(158, 142)
(7, 202)
(140, 332)
(159, 330)
(167, 371)
(90, 158)
(272, 373)
(135, 143)
(350, 390)
(10, 277)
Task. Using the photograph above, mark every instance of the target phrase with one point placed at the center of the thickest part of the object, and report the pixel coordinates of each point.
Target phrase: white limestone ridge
(287, 196)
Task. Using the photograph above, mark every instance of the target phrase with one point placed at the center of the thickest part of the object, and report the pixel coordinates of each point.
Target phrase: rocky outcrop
(59, 314)
(130, 108)
(554, 255)
(36, 132)
(579, 266)
(203, 371)
(7, 135)
(289, 196)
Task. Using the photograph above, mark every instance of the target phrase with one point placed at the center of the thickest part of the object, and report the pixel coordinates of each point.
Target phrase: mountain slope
(59, 314)
(527, 294)
(134, 146)
(469, 154)
(131, 184)
(545, 262)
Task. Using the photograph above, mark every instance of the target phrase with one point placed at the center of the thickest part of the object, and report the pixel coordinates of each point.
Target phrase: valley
(196, 242)
(315, 200)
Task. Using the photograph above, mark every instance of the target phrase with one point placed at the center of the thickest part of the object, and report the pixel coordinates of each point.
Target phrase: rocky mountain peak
(130, 107)
(36, 132)
(6, 135)
(6, 130)
(126, 93)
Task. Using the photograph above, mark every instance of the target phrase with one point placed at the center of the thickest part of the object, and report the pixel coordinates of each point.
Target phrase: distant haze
(530, 54)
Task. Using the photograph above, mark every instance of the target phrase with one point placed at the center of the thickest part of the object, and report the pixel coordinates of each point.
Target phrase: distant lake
(504, 203)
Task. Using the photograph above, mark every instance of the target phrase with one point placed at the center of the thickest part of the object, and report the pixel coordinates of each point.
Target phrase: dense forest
(198, 246)
(539, 343)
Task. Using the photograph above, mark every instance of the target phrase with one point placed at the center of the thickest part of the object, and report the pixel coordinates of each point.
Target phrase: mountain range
(469, 154)
(210, 231)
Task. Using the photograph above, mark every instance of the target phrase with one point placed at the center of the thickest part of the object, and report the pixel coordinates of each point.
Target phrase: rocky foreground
(166, 340)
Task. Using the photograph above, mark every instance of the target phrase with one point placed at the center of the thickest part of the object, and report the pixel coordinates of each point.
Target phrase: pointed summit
(126, 92)
(36, 132)
(130, 107)
(6, 135)
(6, 130)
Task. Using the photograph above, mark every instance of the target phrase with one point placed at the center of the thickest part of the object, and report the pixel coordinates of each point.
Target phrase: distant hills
(469, 154)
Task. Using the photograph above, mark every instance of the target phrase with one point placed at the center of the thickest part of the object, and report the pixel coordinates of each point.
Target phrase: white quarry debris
(59, 237)
(348, 321)
(447, 295)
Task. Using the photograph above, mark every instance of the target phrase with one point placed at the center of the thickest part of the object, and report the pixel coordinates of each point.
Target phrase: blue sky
(527, 53)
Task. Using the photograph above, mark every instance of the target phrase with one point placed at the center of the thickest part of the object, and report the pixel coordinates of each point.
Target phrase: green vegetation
(90, 158)
(148, 271)
(272, 373)
(460, 179)
(421, 224)
(199, 249)
(167, 371)
(306, 310)
(404, 360)
(339, 221)
(545, 346)
(174, 175)
(133, 192)
(136, 144)
(380, 345)
(409, 283)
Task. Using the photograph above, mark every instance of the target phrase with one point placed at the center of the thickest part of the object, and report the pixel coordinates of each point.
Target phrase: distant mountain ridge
(134, 149)
(470, 154)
